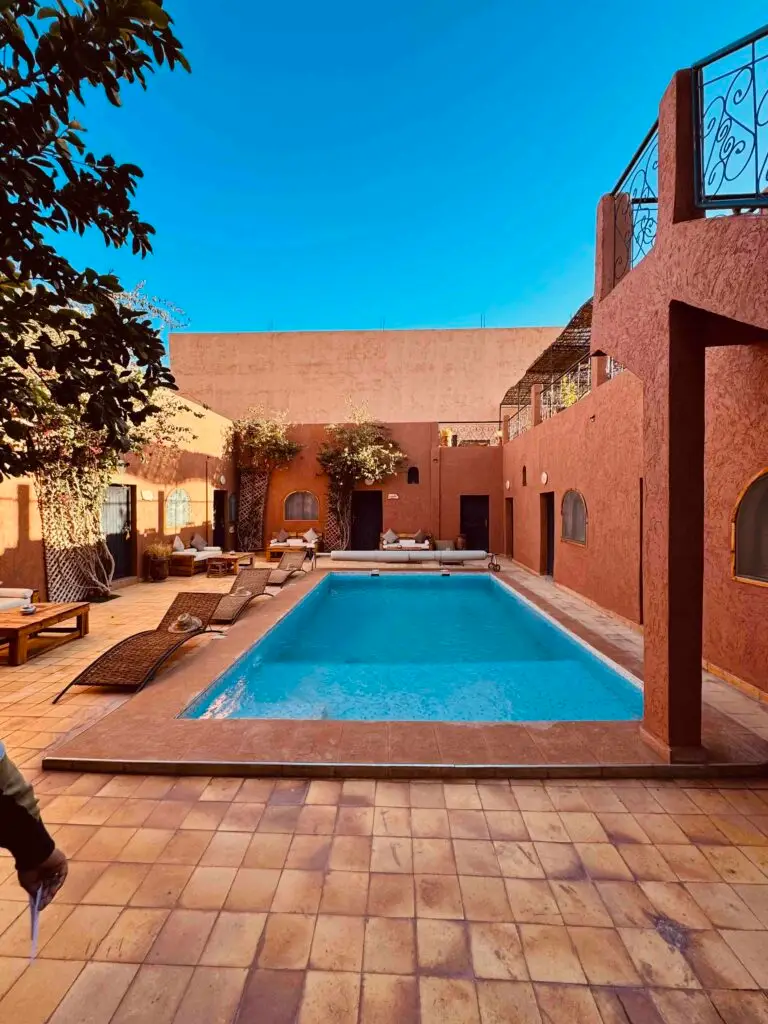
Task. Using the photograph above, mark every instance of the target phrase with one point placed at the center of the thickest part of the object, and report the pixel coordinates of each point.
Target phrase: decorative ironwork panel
(477, 432)
(520, 422)
(731, 90)
(636, 207)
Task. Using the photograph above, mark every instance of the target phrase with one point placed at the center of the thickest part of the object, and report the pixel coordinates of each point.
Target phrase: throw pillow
(282, 537)
(310, 536)
(178, 543)
(420, 537)
(390, 537)
(198, 543)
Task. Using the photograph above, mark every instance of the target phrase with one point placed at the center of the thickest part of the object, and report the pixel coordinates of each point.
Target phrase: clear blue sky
(420, 162)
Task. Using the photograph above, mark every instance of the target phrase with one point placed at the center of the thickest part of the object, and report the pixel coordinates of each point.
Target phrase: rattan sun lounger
(249, 583)
(130, 664)
(290, 563)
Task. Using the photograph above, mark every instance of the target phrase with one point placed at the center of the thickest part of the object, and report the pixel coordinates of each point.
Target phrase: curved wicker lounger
(252, 583)
(132, 662)
(290, 563)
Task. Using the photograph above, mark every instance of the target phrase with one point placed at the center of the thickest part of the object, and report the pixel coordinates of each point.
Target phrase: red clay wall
(470, 470)
(410, 511)
(736, 450)
(595, 447)
(403, 376)
(432, 504)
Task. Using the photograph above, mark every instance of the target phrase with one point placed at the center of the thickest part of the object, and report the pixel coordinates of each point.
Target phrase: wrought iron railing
(519, 423)
(613, 367)
(731, 125)
(567, 389)
(636, 207)
(465, 432)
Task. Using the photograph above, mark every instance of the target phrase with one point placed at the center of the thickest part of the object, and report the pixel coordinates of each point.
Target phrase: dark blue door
(117, 526)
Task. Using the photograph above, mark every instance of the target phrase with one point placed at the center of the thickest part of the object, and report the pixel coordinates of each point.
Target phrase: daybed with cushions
(391, 541)
(188, 561)
(446, 557)
(283, 541)
(15, 597)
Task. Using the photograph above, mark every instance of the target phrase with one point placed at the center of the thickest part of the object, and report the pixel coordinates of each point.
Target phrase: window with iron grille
(178, 510)
(751, 532)
(302, 505)
(574, 517)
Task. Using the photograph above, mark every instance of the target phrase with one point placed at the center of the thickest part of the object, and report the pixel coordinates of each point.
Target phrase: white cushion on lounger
(296, 542)
(406, 543)
(213, 550)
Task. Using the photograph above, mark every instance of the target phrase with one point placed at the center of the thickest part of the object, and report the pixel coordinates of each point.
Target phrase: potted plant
(158, 556)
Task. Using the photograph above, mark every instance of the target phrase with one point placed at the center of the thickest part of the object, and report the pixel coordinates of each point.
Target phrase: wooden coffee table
(17, 630)
(234, 559)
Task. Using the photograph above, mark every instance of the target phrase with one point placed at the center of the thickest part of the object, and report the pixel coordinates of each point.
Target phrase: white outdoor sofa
(14, 597)
(409, 556)
(188, 561)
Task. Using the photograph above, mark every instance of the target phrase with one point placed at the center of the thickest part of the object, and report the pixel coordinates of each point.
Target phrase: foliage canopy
(69, 328)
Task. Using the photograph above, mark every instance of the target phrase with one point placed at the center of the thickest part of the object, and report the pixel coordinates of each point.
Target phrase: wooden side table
(218, 567)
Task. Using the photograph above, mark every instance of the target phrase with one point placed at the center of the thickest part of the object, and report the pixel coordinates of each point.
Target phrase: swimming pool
(419, 647)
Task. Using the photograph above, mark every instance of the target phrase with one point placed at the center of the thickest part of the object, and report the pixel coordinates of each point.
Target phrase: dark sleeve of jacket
(23, 835)
(21, 830)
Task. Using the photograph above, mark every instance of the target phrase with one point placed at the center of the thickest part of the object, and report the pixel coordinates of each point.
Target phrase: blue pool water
(418, 647)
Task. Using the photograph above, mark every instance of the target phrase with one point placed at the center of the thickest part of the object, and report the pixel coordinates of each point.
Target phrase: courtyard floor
(359, 901)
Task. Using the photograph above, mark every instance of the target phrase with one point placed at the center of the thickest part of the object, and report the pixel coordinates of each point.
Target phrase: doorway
(548, 533)
(117, 527)
(473, 520)
(509, 528)
(367, 520)
(219, 518)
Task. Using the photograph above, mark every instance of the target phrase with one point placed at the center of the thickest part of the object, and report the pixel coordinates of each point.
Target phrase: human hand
(49, 875)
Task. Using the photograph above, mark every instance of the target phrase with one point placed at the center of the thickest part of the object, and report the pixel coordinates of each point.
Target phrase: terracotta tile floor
(221, 900)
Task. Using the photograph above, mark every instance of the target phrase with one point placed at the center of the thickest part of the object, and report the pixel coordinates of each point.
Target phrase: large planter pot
(158, 569)
(461, 542)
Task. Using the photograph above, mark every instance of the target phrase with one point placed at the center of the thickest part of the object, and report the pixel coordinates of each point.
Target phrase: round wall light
(507, 485)
(544, 478)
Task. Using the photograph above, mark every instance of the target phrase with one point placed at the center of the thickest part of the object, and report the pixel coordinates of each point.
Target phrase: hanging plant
(258, 443)
(361, 450)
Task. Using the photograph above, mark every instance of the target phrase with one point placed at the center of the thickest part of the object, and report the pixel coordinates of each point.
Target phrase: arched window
(413, 474)
(751, 532)
(525, 477)
(178, 510)
(302, 505)
(574, 517)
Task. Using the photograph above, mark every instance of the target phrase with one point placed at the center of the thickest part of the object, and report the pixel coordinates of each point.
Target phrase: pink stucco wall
(432, 505)
(736, 450)
(595, 447)
(403, 376)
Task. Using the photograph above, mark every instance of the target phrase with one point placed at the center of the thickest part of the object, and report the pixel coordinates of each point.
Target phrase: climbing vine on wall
(258, 443)
(353, 452)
